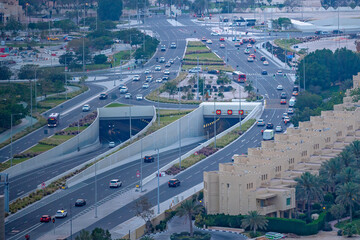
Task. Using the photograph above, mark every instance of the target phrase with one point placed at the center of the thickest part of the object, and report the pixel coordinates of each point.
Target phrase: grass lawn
(202, 56)
(191, 160)
(15, 161)
(116, 105)
(123, 55)
(81, 128)
(39, 148)
(200, 48)
(287, 43)
(210, 67)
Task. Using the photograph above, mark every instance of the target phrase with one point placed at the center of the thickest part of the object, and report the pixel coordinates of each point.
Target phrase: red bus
(239, 76)
(53, 119)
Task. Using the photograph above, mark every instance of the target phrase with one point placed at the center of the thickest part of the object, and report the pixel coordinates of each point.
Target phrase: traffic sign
(137, 173)
(43, 185)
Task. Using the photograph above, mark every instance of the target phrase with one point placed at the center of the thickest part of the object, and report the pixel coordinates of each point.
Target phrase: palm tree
(348, 174)
(355, 149)
(309, 188)
(328, 171)
(348, 195)
(255, 221)
(346, 157)
(189, 208)
(83, 235)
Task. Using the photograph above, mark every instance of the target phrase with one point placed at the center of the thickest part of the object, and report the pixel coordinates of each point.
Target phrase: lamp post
(158, 181)
(214, 123)
(179, 131)
(95, 192)
(11, 136)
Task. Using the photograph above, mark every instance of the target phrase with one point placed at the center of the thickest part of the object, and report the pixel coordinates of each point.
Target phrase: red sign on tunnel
(241, 112)
(218, 112)
(229, 112)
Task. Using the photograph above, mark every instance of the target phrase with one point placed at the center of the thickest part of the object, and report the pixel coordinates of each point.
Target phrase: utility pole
(65, 79)
(214, 122)
(197, 79)
(130, 123)
(31, 104)
(95, 192)
(179, 131)
(35, 92)
(158, 182)
(141, 169)
(158, 109)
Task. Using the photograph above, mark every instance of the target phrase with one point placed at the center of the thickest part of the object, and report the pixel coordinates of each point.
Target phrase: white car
(115, 183)
(209, 41)
(111, 144)
(157, 68)
(285, 115)
(147, 71)
(278, 129)
(279, 87)
(195, 70)
(249, 46)
(266, 63)
(222, 45)
(123, 89)
(86, 108)
(158, 80)
(290, 111)
(139, 97)
(136, 78)
(173, 45)
(167, 72)
(128, 95)
(162, 60)
(61, 213)
(260, 122)
(279, 72)
(250, 59)
(145, 85)
(215, 34)
(149, 79)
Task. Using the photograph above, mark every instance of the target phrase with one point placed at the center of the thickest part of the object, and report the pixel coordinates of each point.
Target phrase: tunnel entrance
(221, 125)
(118, 131)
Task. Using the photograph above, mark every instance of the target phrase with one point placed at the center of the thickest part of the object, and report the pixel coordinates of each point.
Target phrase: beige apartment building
(263, 180)
(11, 9)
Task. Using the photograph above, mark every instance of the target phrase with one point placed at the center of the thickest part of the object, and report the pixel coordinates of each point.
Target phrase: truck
(292, 102)
(268, 134)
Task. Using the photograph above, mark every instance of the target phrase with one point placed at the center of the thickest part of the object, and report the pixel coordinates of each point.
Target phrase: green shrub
(186, 236)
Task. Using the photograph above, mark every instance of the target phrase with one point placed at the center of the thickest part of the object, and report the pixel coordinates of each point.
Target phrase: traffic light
(53, 220)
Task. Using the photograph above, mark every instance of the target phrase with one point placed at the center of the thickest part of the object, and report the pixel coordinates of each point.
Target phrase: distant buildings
(11, 9)
(264, 181)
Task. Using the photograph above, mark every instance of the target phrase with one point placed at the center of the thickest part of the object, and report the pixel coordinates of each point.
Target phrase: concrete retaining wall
(89, 136)
(191, 125)
(124, 112)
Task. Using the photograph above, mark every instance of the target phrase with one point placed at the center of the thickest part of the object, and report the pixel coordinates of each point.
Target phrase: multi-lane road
(167, 33)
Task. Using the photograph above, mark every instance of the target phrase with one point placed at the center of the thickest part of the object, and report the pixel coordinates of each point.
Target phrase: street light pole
(95, 192)
(158, 190)
(214, 123)
(141, 169)
(31, 104)
(179, 131)
(11, 136)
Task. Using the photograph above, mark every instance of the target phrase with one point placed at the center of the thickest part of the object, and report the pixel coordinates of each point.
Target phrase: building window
(288, 201)
(304, 153)
(228, 185)
(262, 203)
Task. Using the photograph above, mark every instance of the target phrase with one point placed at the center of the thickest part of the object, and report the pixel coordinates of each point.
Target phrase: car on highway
(203, 39)
(222, 45)
(128, 95)
(283, 95)
(123, 89)
(163, 48)
(253, 56)
(111, 144)
(250, 59)
(171, 61)
(260, 122)
(295, 93)
(214, 34)
(86, 108)
(166, 72)
(173, 45)
(158, 80)
(165, 78)
(279, 72)
(290, 111)
(264, 72)
(269, 126)
(45, 218)
(149, 78)
(195, 70)
(149, 159)
(279, 87)
(249, 46)
(246, 51)
(278, 128)
(214, 71)
(162, 60)
(157, 68)
(283, 101)
(61, 213)
(262, 58)
(115, 183)
(80, 202)
(238, 44)
(103, 96)
(147, 71)
(266, 63)
(286, 120)
(222, 39)
(174, 182)
(168, 64)
(136, 78)
(145, 85)
(284, 115)
(19, 39)
(209, 41)
(139, 97)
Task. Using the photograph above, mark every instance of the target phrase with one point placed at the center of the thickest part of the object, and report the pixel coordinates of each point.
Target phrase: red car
(283, 101)
(252, 55)
(45, 218)
(222, 39)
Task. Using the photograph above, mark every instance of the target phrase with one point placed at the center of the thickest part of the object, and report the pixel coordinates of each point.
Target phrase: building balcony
(266, 209)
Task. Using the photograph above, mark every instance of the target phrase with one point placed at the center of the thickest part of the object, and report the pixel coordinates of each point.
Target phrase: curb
(216, 230)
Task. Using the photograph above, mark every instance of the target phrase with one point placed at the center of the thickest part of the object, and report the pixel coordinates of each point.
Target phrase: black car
(264, 72)
(214, 72)
(80, 202)
(103, 96)
(163, 48)
(262, 58)
(148, 159)
(337, 32)
(283, 95)
(165, 78)
(269, 126)
(174, 182)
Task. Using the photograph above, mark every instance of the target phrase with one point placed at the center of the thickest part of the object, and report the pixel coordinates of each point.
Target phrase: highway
(266, 85)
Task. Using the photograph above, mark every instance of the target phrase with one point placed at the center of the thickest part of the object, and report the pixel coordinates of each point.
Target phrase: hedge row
(281, 225)
(204, 63)
(198, 51)
(202, 60)
(185, 236)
